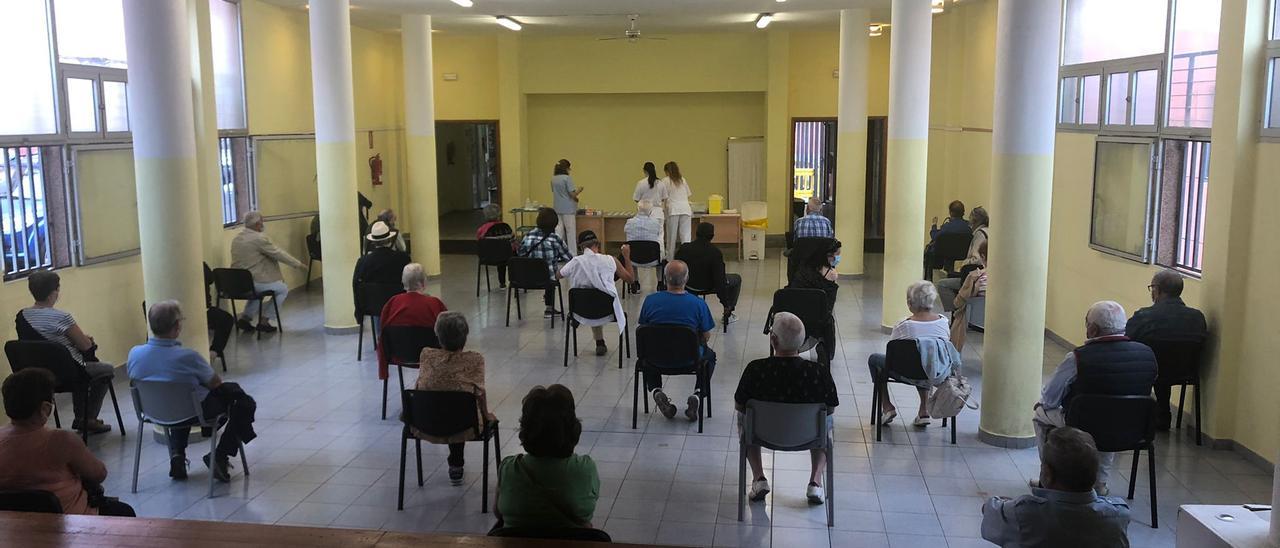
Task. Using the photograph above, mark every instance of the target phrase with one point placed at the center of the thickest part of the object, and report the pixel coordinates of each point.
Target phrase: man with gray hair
(164, 359)
(814, 224)
(252, 250)
(1108, 363)
(785, 377)
(675, 306)
(644, 227)
(1167, 319)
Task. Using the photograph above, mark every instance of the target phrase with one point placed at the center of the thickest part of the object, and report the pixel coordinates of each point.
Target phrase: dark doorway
(877, 138)
(813, 171)
(467, 175)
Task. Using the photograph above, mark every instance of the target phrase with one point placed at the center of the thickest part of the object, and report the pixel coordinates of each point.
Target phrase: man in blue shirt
(678, 307)
(955, 224)
(164, 359)
(813, 224)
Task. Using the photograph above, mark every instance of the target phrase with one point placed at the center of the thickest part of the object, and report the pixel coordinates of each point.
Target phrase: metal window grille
(25, 212)
(1194, 183)
(226, 165)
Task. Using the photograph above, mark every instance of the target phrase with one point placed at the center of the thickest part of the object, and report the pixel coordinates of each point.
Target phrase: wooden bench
(41, 530)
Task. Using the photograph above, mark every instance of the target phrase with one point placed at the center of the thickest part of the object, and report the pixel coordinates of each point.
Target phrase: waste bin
(755, 220)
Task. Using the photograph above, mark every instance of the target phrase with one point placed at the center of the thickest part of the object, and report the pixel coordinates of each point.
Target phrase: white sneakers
(921, 422)
(815, 494)
(759, 488)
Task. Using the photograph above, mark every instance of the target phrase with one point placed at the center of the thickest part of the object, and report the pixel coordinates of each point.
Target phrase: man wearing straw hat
(383, 264)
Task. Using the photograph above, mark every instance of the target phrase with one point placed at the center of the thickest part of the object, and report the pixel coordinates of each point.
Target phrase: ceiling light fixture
(463, 3)
(508, 22)
(938, 6)
(876, 30)
(781, 1)
(763, 20)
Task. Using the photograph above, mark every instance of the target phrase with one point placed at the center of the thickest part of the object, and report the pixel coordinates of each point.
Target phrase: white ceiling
(607, 17)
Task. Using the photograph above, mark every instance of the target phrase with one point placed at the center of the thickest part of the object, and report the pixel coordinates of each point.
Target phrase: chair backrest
(313, 247)
(1117, 423)
(374, 296)
(553, 533)
(590, 303)
(667, 344)
(403, 344)
(528, 273)
(902, 356)
(785, 426)
(954, 246)
(494, 251)
(802, 249)
(30, 500)
(1177, 361)
(166, 402)
(645, 252)
(440, 413)
(810, 305)
(234, 283)
(46, 355)
(208, 284)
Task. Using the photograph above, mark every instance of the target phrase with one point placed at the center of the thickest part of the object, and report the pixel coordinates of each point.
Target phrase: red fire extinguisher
(375, 169)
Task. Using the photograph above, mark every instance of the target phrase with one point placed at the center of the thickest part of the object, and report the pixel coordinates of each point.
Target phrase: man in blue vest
(1108, 363)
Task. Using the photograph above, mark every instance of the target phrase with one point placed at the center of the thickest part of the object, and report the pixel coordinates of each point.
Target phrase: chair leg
(417, 449)
(478, 268)
(487, 285)
(831, 485)
(57, 421)
(1151, 467)
(404, 447)
(1133, 472)
(953, 430)
(262, 303)
(213, 456)
(566, 346)
(484, 479)
(279, 319)
(307, 286)
(702, 400)
(222, 358)
(137, 456)
(244, 461)
(384, 399)
(1182, 398)
(509, 291)
(635, 399)
(360, 340)
(519, 313)
(876, 413)
(742, 476)
(1196, 402)
(116, 404)
(373, 334)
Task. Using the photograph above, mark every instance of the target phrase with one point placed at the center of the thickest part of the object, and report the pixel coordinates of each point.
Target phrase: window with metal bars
(1184, 187)
(233, 166)
(33, 211)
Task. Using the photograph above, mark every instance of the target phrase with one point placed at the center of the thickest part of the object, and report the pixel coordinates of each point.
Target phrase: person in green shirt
(548, 487)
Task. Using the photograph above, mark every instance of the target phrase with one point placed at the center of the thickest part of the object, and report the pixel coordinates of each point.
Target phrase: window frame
(57, 223)
(98, 75)
(1271, 133)
(244, 94)
(1148, 246)
(1176, 211)
(250, 174)
(76, 216)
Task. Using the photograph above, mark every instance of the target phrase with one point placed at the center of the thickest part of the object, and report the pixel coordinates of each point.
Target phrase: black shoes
(266, 327)
(455, 475)
(601, 349)
(220, 468)
(178, 467)
(244, 324)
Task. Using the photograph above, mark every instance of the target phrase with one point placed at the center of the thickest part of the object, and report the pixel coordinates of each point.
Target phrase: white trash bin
(753, 238)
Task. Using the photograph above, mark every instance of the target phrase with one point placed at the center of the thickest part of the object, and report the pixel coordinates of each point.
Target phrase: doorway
(467, 175)
(813, 172)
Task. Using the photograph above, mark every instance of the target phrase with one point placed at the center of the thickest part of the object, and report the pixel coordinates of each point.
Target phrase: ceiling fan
(632, 34)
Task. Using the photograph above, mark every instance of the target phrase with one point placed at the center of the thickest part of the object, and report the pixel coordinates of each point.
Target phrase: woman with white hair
(923, 323)
(450, 368)
(413, 308)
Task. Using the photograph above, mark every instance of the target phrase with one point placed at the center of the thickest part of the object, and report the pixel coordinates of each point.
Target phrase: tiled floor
(324, 458)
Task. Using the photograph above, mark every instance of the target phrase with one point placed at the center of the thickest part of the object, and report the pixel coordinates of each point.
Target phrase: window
(27, 96)
(1101, 30)
(90, 32)
(32, 210)
(236, 186)
(1121, 196)
(1271, 116)
(228, 69)
(1184, 185)
(1118, 99)
(96, 103)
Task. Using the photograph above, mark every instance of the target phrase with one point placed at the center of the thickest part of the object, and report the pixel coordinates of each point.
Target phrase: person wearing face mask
(818, 271)
(33, 456)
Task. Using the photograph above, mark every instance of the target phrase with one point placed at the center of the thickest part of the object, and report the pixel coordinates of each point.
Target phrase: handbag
(950, 397)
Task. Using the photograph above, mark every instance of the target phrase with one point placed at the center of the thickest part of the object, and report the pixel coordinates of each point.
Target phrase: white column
(1021, 189)
(157, 40)
(331, 87)
(851, 146)
(908, 155)
(420, 140)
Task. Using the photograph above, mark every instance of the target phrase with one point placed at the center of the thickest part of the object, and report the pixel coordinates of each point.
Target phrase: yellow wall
(609, 136)
(813, 89)
(474, 95)
(1255, 393)
(684, 63)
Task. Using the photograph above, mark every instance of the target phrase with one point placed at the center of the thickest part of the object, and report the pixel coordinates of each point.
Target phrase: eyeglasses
(1150, 287)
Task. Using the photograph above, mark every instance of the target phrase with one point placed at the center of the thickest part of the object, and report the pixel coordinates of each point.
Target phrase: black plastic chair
(441, 413)
(313, 255)
(491, 252)
(949, 248)
(786, 427)
(902, 356)
(528, 273)
(1118, 424)
(670, 344)
(69, 375)
(236, 284)
(30, 500)
(591, 304)
(647, 253)
(403, 347)
(1179, 365)
(810, 305)
(370, 298)
(702, 294)
(801, 250)
(580, 534)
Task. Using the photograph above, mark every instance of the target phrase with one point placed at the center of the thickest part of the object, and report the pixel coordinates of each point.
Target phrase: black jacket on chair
(1113, 366)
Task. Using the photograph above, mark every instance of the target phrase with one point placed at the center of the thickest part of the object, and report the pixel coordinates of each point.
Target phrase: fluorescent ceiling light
(876, 30)
(938, 6)
(763, 20)
(463, 3)
(508, 22)
(781, 1)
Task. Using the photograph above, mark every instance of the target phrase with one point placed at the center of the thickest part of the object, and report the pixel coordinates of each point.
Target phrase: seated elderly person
(675, 306)
(452, 369)
(44, 459)
(706, 270)
(939, 358)
(1064, 510)
(1167, 319)
(955, 224)
(381, 264)
(388, 217)
(550, 486)
(974, 287)
(813, 224)
(595, 270)
(1108, 363)
(786, 377)
(252, 250)
(42, 322)
(494, 229)
(544, 243)
(413, 308)
(645, 227)
(164, 359)
(818, 271)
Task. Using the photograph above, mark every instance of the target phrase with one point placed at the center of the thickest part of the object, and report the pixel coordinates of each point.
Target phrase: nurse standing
(565, 201)
(679, 213)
